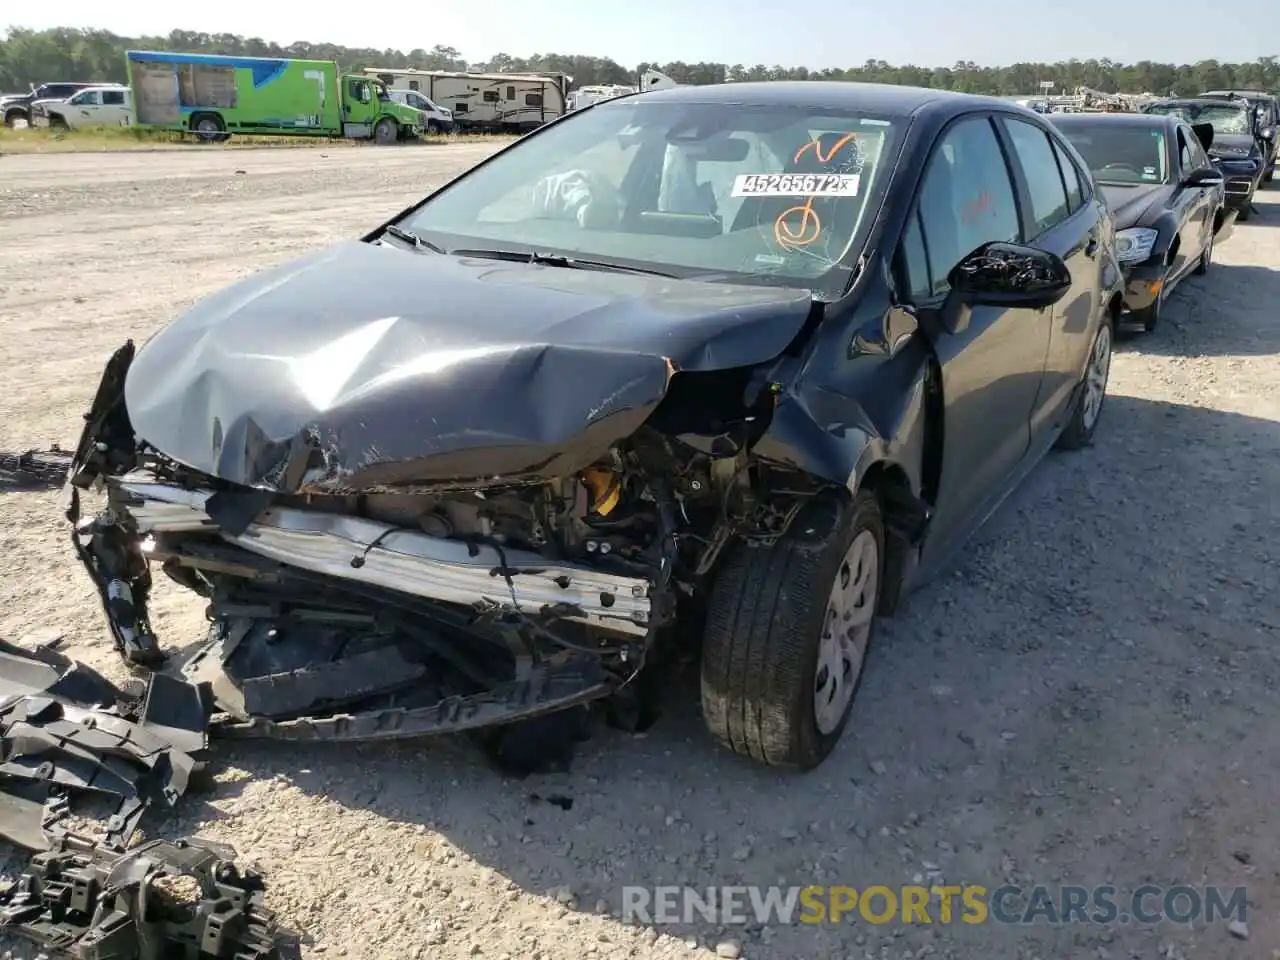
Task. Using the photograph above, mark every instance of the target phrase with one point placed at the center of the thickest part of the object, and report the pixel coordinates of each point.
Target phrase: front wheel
(1149, 317)
(385, 132)
(433, 128)
(1087, 411)
(787, 631)
(208, 128)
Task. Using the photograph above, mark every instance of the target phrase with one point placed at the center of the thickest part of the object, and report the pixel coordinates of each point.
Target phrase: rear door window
(1048, 193)
(1076, 179)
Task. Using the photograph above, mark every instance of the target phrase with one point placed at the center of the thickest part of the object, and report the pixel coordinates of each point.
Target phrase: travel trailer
(585, 96)
(656, 80)
(508, 102)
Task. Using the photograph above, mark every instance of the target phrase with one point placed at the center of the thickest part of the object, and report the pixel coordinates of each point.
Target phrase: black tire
(1206, 257)
(208, 128)
(766, 618)
(13, 116)
(433, 128)
(1271, 175)
(1085, 419)
(1245, 212)
(385, 132)
(1148, 317)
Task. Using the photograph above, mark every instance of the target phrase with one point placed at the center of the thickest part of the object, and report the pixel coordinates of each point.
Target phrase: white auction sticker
(800, 185)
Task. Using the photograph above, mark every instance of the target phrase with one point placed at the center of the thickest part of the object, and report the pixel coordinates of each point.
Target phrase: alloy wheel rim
(1096, 377)
(846, 629)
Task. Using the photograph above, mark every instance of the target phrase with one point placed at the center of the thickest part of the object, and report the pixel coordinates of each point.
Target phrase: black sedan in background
(1166, 197)
(1237, 147)
(1266, 112)
(750, 359)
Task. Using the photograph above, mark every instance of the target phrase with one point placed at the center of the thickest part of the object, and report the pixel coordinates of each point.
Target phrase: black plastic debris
(68, 750)
(161, 900)
(43, 670)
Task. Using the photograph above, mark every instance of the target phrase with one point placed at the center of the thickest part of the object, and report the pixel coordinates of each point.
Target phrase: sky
(934, 33)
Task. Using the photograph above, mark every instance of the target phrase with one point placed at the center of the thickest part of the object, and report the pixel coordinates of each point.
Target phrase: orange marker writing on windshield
(797, 227)
(817, 148)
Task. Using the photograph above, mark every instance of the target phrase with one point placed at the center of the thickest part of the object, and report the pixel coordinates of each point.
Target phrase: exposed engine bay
(428, 607)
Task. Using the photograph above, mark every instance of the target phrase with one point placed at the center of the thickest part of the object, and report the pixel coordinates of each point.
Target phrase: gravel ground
(1083, 699)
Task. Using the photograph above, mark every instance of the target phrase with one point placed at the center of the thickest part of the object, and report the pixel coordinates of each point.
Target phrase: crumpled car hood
(390, 366)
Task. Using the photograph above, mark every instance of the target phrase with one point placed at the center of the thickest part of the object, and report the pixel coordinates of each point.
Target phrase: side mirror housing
(1205, 177)
(1010, 275)
(1267, 133)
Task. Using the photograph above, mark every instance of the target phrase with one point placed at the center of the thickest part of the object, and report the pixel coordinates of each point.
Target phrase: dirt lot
(1086, 699)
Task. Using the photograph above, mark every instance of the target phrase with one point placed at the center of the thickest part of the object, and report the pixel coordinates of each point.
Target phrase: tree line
(62, 53)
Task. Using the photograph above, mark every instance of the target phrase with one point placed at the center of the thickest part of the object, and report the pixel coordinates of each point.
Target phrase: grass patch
(118, 139)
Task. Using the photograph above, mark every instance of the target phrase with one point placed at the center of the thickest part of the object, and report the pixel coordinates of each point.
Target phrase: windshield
(778, 195)
(1120, 153)
(1227, 118)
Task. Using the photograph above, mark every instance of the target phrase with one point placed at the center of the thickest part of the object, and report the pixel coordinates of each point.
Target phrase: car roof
(1246, 94)
(1142, 120)
(882, 98)
(1205, 101)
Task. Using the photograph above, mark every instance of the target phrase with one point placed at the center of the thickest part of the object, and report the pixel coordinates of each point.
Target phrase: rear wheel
(208, 127)
(1087, 412)
(385, 131)
(787, 631)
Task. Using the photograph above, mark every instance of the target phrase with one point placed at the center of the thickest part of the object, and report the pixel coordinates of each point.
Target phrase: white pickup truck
(109, 105)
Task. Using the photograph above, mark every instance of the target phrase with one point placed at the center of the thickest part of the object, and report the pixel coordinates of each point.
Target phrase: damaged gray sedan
(719, 367)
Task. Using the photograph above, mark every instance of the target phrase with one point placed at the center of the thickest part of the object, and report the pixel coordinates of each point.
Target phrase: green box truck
(215, 97)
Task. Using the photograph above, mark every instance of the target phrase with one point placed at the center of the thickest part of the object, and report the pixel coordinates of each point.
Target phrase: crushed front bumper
(351, 548)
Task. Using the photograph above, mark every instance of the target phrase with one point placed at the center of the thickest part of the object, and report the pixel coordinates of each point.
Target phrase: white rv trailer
(656, 80)
(594, 93)
(511, 102)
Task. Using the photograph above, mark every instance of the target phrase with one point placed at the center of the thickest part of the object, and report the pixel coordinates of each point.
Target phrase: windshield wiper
(556, 260)
(408, 236)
